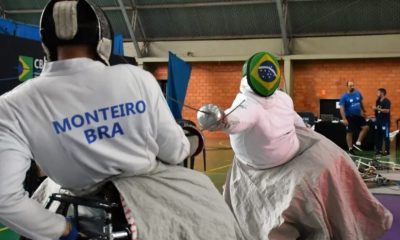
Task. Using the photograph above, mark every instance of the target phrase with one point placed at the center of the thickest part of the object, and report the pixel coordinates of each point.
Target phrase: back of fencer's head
(75, 23)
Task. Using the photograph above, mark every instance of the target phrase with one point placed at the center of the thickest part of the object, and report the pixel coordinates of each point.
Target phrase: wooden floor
(219, 157)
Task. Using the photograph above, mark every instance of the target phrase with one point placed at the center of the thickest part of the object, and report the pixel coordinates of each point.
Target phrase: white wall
(369, 46)
(372, 44)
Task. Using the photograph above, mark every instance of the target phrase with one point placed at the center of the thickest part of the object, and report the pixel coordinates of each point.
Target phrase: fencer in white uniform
(287, 181)
(83, 122)
(251, 118)
(250, 121)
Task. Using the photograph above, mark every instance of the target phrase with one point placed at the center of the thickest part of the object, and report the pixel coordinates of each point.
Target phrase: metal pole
(2, 10)
(139, 21)
(282, 22)
(204, 4)
(130, 29)
(181, 5)
(27, 11)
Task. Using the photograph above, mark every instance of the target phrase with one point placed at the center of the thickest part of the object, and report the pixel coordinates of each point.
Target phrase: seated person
(86, 123)
(287, 181)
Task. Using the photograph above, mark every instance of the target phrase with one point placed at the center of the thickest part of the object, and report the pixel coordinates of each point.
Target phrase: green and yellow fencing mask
(263, 73)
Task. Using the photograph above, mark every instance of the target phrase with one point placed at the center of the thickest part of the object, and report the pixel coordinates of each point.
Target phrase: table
(336, 132)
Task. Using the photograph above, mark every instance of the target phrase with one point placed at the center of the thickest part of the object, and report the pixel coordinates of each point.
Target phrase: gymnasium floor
(219, 159)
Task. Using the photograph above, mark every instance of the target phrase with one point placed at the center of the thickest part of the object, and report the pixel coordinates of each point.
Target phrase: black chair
(336, 132)
(195, 136)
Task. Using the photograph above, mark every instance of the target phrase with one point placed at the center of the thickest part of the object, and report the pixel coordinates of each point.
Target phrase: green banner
(7, 234)
(25, 68)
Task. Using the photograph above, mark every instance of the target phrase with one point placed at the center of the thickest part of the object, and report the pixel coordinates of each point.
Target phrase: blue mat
(392, 203)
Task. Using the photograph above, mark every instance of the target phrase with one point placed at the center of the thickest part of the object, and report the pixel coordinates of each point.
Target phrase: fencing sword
(199, 110)
(234, 109)
(207, 112)
(187, 106)
(171, 98)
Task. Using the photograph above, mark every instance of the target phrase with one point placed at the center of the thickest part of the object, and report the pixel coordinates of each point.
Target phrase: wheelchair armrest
(195, 137)
(82, 201)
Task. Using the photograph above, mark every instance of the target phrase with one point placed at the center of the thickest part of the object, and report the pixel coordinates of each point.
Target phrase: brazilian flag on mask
(263, 73)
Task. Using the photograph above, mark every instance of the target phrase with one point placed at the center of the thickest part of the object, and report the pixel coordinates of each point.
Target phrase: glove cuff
(73, 233)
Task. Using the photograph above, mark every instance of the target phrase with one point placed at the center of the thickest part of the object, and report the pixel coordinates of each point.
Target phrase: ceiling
(163, 20)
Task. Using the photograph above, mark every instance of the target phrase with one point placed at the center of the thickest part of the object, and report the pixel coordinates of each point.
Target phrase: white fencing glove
(211, 117)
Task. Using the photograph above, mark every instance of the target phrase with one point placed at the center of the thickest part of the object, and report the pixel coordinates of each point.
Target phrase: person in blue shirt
(353, 114)
(382, 124)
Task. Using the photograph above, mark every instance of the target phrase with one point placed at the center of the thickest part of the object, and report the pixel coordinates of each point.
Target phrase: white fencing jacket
(262, 129)
(318, 195)
(82, 122)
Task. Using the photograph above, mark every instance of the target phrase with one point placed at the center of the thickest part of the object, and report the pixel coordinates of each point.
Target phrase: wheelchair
(99, 215)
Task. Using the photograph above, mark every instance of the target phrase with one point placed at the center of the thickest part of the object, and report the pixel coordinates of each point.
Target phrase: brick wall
(327, 79)
(219, 83)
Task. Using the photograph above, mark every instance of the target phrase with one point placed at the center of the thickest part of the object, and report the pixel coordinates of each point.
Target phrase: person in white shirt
(85, 122)
(287, 181)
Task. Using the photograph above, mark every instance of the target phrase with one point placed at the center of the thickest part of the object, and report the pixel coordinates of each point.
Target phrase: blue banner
(22, 30)
(22, 59)
(178, 79)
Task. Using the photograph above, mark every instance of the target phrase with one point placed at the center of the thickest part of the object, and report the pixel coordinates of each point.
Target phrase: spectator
(382, 126)
(353, 114)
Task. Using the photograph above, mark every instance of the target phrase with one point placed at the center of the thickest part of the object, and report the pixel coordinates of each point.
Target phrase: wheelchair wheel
(97, 217)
